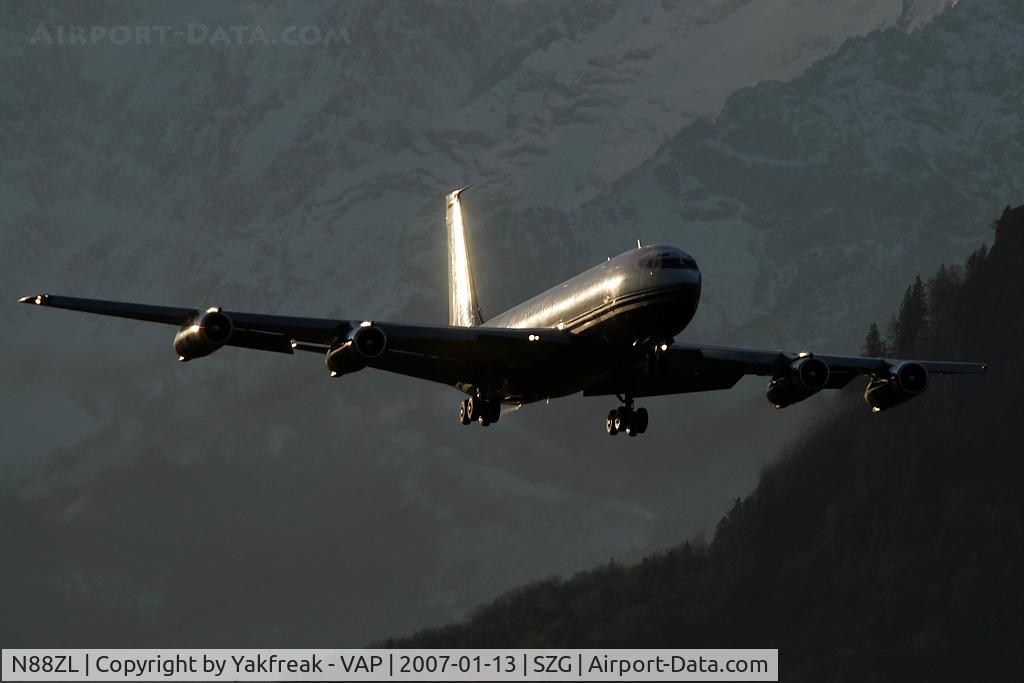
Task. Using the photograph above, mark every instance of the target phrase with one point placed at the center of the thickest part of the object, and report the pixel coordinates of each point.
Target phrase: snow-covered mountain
(810, 202)
(309, 180)
(237, 162)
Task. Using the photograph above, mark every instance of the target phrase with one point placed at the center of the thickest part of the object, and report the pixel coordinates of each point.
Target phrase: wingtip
(32, 299)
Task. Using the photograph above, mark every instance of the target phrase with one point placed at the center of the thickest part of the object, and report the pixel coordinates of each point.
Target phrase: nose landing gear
(479, 409)
(626, 419)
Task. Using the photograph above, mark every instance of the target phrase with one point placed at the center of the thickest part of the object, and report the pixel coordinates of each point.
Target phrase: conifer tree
(874, 346)
(892, 333)
(943, 309)
(912, 322)
(974, 261)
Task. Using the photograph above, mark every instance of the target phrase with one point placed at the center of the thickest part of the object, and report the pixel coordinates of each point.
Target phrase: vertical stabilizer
(463, 310)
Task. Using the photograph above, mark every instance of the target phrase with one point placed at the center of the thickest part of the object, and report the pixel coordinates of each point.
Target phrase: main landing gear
(625, 419)
(479, 409)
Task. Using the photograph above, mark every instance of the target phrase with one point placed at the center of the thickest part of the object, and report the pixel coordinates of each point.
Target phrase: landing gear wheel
(622, 416)
(629, 419)
(479, 409)
(609, 423)
(625, 419)
(640, 420)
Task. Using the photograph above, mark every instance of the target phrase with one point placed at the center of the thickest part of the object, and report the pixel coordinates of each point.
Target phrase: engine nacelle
(905, 381)
(805, 377)
(206, 333)
(364, 344)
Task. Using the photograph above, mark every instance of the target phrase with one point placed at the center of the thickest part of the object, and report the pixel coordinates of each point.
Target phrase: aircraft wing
(684, 367)
(250, 330)
(448, 354)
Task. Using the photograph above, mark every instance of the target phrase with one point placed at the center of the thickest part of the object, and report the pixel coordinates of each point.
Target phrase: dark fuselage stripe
(585, 320)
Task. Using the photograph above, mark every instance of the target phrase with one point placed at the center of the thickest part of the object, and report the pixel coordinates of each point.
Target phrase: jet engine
(363, 345)
(803, 378)
(206, 333)
(904, 382)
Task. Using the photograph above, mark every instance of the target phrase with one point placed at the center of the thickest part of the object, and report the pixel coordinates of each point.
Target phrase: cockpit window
(677, 261)
(668, 260)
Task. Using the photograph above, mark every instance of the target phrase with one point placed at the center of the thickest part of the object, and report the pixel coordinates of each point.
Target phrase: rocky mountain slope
(810, 200)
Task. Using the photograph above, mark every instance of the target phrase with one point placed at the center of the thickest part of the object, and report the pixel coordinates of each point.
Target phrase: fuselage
(647, 293)
(629, 303)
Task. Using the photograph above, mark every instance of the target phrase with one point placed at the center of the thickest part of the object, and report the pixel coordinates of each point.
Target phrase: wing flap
(312, 330)
(261, 341)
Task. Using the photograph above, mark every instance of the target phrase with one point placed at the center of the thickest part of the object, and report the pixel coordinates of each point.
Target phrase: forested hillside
(879, 547)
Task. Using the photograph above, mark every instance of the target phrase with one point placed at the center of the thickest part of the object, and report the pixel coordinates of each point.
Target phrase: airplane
(609, 331)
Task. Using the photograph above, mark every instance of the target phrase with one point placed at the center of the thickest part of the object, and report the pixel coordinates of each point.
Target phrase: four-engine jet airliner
(610, 330)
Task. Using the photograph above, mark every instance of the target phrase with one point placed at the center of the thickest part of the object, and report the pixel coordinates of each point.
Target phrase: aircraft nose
(676, 278)
(690, 276)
